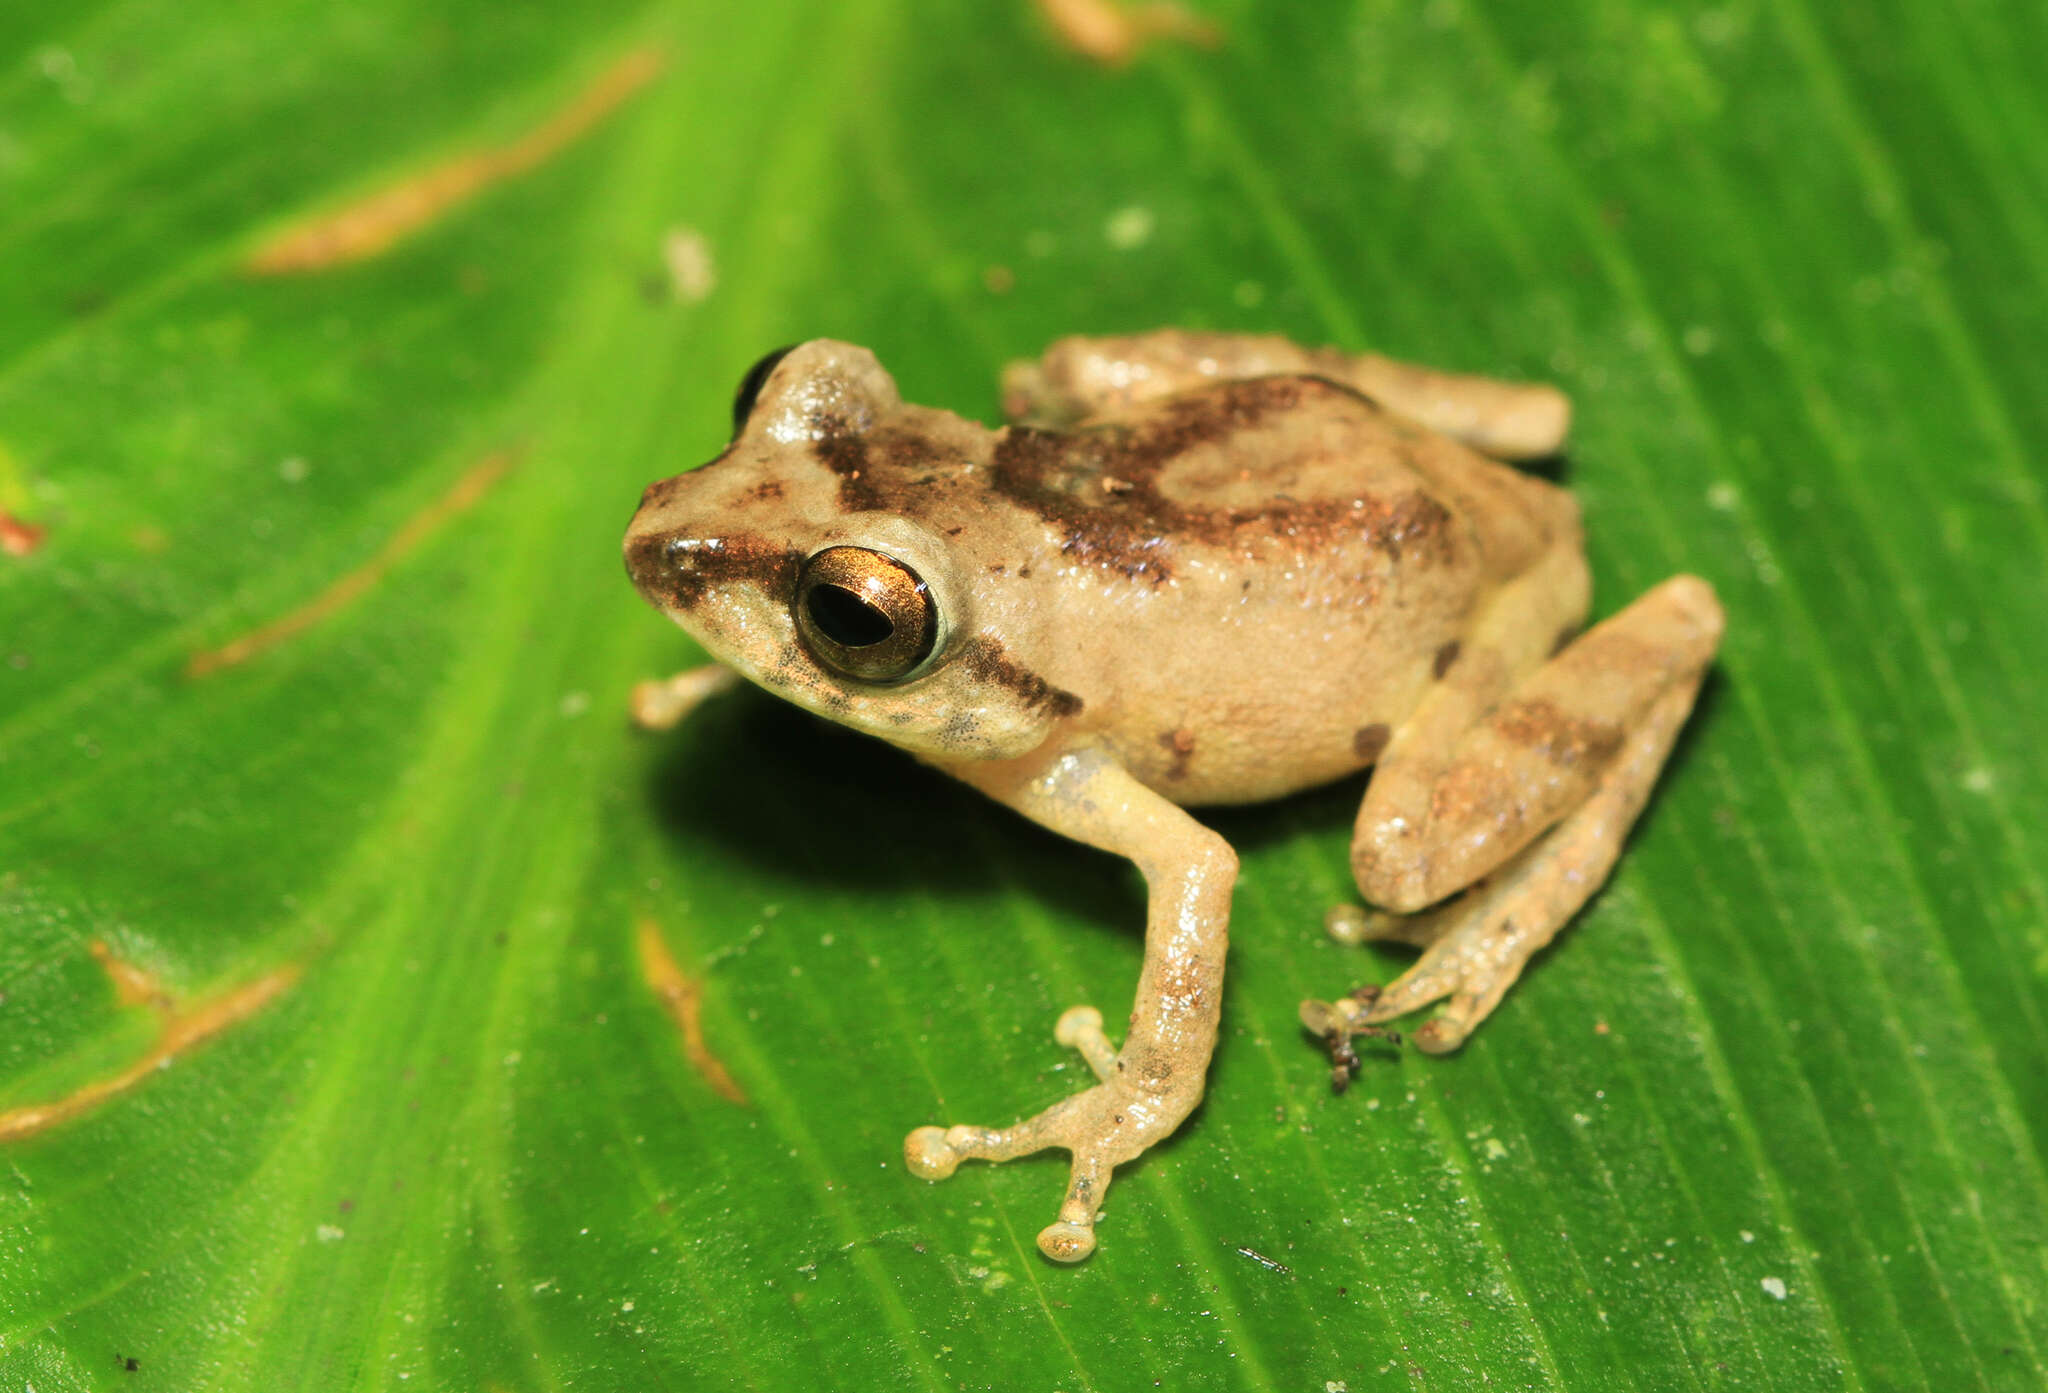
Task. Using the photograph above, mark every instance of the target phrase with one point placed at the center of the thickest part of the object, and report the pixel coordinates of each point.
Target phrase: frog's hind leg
(1635, 675)
(1080, 377)
(1507, 420)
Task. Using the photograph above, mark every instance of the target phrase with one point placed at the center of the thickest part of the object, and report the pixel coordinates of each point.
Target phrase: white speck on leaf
(1775, 1288)
(1129, 228)
(691, 273)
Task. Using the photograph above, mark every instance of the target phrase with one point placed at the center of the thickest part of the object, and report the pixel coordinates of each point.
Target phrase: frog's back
(1284, 564)
(1269, 476)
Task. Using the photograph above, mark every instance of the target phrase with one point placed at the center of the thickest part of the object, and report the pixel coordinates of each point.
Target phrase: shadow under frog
(1198, 570)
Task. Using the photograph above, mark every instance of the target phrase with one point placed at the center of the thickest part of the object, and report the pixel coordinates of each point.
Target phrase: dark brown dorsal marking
(1181, 742)
(1368, 742)
(1101, 486)
(1564, 740)
(1445, 656)
(846, 455)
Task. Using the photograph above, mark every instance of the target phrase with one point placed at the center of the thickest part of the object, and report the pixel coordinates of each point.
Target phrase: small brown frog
(1197, 569)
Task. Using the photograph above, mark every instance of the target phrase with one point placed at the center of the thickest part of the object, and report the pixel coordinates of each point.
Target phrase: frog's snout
(646, 557)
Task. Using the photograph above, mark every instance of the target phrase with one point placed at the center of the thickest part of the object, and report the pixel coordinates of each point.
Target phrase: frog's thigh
(1436, 819)
(1515, 914)
(1508, 420)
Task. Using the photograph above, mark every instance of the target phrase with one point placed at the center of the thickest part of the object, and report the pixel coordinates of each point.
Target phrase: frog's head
(806, 558)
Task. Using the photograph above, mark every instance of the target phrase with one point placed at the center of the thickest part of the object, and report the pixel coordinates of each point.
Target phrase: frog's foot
(1102, 1128)
(1338, 1023)
(1473, 946)
(664, 705)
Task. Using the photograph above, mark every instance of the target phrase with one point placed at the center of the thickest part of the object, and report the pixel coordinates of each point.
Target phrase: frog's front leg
(1156, 1079)
(663, 705)
(1079, 377)
(1528, 807)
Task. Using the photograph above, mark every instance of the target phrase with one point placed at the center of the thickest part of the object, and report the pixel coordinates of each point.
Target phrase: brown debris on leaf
(1112, 33)
(17, 537)
(683, 998)
(375, 223)
(177, 1031)
(1337, 1023)
(465, 494)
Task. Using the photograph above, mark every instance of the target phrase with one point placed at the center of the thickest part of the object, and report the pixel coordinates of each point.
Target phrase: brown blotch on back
(846, 454)
(1110, 489)
(1063, 478)
(1415, 525)
(1369, 742)
(1564, 740)
(990, 662)
(1181, 743)
(1445, 657)
(1120, 495)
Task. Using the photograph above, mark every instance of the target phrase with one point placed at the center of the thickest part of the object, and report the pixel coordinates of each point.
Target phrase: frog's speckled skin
(1210, 569)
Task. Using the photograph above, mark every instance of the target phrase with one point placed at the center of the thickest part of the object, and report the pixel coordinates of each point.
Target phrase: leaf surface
(311, 699)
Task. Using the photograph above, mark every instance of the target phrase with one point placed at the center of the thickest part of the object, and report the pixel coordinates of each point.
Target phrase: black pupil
(751, 385)
(846, 618)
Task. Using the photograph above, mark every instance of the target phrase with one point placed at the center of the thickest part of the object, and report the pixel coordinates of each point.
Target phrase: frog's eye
(750, 388)
(864, 614)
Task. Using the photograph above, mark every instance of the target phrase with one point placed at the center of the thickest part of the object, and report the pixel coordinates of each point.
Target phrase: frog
(1196, 569)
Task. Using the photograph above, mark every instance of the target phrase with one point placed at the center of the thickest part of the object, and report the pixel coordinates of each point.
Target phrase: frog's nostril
(643, 552)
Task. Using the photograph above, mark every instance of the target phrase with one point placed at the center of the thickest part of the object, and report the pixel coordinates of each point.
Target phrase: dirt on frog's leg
(1156, 1079)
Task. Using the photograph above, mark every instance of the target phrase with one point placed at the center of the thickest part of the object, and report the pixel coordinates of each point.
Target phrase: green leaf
(1772, 1115)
